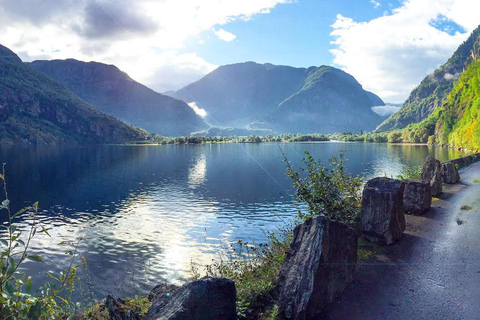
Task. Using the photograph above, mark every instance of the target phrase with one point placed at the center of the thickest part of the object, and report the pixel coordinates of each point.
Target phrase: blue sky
(295, 34)
(388, 46)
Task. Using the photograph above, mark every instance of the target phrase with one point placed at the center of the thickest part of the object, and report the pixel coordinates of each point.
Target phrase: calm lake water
(143, 214)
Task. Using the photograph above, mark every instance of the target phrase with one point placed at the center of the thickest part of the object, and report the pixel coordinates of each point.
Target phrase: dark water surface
(143, 214)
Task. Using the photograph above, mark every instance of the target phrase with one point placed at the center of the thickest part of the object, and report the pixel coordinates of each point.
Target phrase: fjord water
(142, 215)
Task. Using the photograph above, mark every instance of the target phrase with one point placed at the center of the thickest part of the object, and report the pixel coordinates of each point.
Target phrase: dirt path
(433, 273)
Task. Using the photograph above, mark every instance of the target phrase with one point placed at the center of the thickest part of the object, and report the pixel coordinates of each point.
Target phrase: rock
(318, 267)
(207, 299)
(417, 197)
(162, 291)
(118, 310)
(450, 173)
(382, 216)
(432, 171)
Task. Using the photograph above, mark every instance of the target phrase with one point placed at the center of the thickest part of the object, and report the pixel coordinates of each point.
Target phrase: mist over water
(142, 214)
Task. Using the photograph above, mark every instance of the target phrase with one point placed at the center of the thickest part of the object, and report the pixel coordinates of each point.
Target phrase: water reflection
(198, 172)
(144, 213)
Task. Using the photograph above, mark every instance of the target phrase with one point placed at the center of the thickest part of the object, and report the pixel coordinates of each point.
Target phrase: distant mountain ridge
(112, 91)
(36, 109)
(282, 98)
(433, 90)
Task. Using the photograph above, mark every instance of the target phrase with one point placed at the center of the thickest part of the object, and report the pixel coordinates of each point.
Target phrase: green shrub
(394, 137)
(411, 173)
(330, 191)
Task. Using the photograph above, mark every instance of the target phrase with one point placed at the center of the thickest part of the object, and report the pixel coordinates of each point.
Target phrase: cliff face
(283, 99)
(36, 109)
(459, 118)
(433, 90)
(112, 91)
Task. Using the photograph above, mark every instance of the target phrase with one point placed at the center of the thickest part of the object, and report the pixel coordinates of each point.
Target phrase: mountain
(112, 91)
(282, 98)
(458, 121)
(36, 109)
(330, 101)
(433, 90)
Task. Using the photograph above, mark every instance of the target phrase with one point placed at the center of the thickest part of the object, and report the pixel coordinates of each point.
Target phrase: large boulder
(318, 267)
(417, 197)
(450, 173)
(382, 217)
(432, 171)
(207, 299)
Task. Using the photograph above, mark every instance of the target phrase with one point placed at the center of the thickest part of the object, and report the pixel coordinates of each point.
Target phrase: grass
(465, 208)
(367, 249)
(476, 181)
(138, 304)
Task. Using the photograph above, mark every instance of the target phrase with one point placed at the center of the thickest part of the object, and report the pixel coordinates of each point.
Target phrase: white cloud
(391, 54)
(145, 38)
(201, 112)
(385, 111)
(376, 4)
(224, 35)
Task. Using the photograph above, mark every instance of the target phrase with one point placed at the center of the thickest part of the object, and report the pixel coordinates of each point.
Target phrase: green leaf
(11, 266)
(35, 257)
(19, 212)
(5, 203)
(53, 277)
(9, 289)
(4, 242)
(28, 287)
(45, 230)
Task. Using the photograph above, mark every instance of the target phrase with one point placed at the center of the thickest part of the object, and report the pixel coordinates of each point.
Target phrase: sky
(389, 46)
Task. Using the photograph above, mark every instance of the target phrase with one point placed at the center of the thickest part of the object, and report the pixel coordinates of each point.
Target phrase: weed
(460, 221)
(255, 272)
(466, 208)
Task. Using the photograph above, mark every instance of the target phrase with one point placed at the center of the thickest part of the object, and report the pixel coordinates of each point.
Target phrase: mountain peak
(249, 93)
(8, 55)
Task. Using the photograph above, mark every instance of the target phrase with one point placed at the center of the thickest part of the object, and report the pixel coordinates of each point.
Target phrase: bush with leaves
(327, 190)
(411, 173)
(18, 299)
